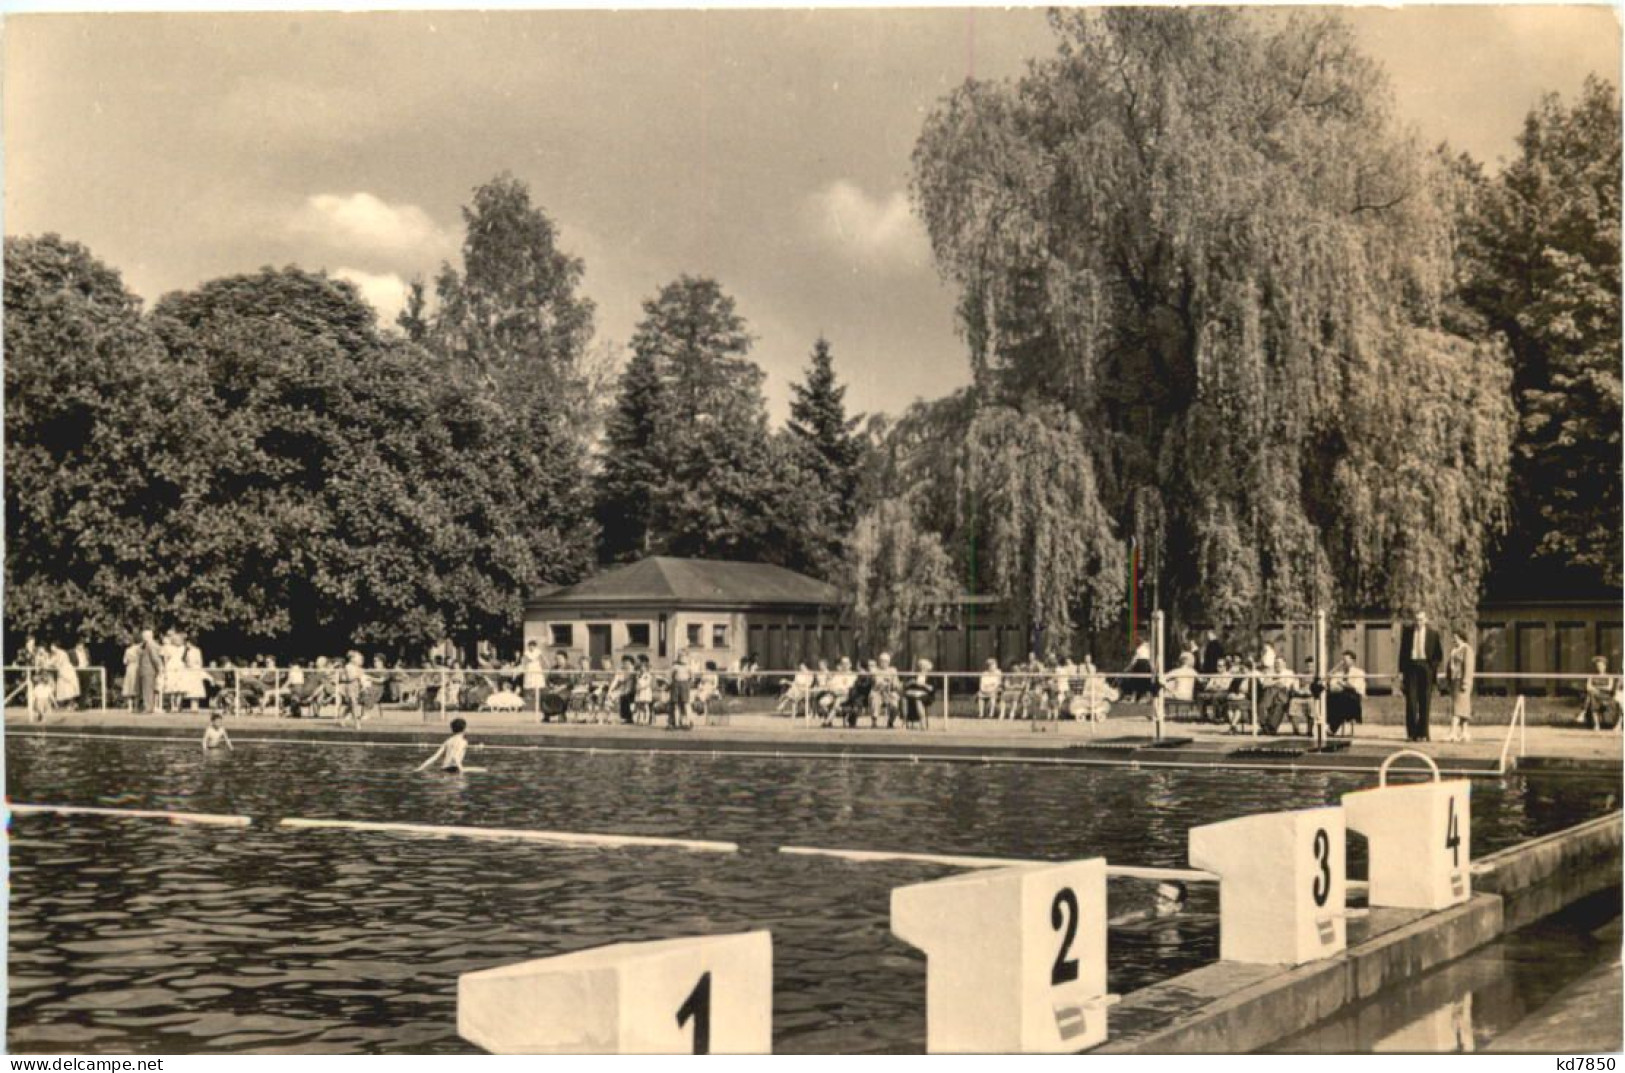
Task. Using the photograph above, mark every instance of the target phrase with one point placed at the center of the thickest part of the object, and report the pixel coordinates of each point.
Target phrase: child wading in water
(214, 735)
(450, 754)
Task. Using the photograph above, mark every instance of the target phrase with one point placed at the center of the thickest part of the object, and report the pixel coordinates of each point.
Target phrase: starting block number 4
(1282, 884)
(1015, 958)
(1420, 841)
(703, 995)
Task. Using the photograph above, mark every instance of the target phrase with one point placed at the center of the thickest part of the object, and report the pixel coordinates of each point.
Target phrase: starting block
(1282, 884)
(1420, 840)
(704, 995)
(1015, 958)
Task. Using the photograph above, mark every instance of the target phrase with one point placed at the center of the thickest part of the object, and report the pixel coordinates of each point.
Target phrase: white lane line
(202, 818)
(514, 834)
(1128, 871)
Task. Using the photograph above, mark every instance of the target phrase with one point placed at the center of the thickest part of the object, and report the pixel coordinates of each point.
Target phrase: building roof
(663, 580)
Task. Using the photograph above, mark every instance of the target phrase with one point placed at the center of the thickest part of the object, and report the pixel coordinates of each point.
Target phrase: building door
(598, 646)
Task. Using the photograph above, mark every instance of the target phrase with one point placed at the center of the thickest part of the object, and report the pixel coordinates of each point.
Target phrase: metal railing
(931, 700)
(37, 685)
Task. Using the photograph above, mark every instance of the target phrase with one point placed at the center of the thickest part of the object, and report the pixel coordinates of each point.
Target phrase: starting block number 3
(1282, 884)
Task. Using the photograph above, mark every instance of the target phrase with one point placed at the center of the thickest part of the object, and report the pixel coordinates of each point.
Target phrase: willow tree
(897, 575)
(1200, 231)
(1035, 523)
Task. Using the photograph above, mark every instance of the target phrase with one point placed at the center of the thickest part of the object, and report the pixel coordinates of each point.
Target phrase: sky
(769, 149)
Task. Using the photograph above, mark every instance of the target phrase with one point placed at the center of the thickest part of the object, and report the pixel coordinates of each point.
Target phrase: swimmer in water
(1170, 903)
(450, 754)
(214, 735)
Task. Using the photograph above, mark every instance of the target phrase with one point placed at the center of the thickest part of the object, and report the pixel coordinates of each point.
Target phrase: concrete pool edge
(1230, 1008)
(1366, 755)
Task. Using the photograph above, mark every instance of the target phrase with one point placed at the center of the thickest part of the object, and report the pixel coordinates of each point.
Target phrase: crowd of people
(1203, 681)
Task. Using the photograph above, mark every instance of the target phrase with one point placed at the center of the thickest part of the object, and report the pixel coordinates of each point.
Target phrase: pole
(236, 694)
(1319, 702)
(101, 674)
(1157, 663)
(1252, 692)
(276, 691)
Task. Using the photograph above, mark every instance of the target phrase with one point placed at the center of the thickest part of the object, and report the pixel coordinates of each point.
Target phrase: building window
(564, 636)
(696, 635)
(719, 637)
(637, 635)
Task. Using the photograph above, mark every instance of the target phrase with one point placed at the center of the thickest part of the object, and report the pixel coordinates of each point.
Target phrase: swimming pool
(139, 936)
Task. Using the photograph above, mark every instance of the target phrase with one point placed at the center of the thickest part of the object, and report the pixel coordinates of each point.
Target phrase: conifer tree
(818, 419)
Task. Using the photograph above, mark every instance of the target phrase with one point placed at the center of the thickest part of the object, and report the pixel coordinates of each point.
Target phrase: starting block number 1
(697, 1007)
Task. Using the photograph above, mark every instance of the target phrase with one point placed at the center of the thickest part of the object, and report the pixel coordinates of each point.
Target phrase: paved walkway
(1543, 747)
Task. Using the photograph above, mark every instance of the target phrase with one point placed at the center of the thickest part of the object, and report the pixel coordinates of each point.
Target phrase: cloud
(385, 292)
(878, 233)
(367, 224)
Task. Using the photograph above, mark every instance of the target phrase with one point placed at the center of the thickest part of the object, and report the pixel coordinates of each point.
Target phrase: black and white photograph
(888, 531)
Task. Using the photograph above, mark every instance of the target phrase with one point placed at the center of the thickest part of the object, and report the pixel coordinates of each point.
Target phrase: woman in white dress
(193, 677)
(172, 683)
(67, 677)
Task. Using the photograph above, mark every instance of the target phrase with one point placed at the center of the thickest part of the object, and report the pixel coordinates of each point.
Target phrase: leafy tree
(386, 498)
(898, 574)
(1198, 231)
(818, 418)
(103, 441)
(1543, 268)
(513, 313)
(1034, 522)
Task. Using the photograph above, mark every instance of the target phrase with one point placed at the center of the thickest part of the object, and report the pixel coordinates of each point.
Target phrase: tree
(384, 494)
(818, 419)
(103, 441)
(691, 467)
(513, 313)
(632, 473)
(1543, 268)
(897, 575)
(1198, 231)
(1035, 528)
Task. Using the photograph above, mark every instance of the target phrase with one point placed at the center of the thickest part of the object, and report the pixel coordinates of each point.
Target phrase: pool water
(138, 936)
(1466, 1005)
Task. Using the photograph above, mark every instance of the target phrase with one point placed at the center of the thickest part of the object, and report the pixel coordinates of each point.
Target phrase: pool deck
(1122, 741)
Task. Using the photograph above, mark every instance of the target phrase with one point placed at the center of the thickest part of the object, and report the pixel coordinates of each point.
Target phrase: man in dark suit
(1212, 653)
(1420, 653)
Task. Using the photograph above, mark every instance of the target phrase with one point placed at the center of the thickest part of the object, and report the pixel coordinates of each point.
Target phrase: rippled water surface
(131, 935)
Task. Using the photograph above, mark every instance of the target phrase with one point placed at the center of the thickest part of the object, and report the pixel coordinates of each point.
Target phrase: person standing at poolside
(132, 675)
(532, 668)
(681, 674)
(67, 677)
(1420, 654)
(149, 671)
(1458, 675)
